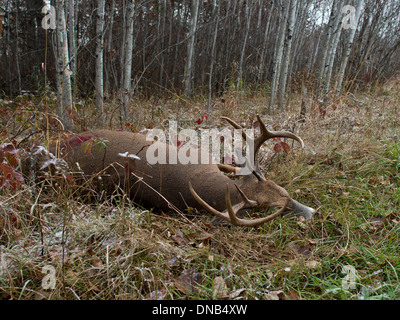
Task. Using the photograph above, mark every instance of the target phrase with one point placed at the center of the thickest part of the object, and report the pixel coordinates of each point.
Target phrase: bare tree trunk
(2, 14)
(72, 45)
(348, 47)
(128, 46)
(246, 36)
(191, 48)
(264, 45)
(332, 53)
(17, 49)
(288, 53)
(109, 60)
(278, 55)
(216, 10)
(332, 26)
(100, 62)
(64, 93)
(162, 18)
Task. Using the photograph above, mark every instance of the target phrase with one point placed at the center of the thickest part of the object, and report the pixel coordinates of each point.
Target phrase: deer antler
(230, 214)
(264, 136)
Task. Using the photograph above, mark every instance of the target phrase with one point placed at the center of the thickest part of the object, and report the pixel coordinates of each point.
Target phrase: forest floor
(349, 170)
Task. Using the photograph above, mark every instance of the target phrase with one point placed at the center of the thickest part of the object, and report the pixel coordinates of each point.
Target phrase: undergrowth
(116, 250)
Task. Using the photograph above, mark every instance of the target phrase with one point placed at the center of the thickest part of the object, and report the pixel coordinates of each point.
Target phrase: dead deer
(167, 186)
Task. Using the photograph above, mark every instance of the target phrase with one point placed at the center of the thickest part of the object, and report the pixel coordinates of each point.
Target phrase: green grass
(109, 251)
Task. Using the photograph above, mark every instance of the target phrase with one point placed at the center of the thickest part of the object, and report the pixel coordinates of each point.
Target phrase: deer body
(167, 181)
(168, 186)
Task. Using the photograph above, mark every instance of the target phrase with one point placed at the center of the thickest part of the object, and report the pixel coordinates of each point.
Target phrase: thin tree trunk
(216, 11)
(349, 46)
(288, 52)
(64, 93)
(191, 48)
(17, 49)
(278, 55)
(72, 45)
(109, 60)
(2, 14)
(264, 45)
(100, 62)
(332, 25)
(127, 71)
(332, 53)
(246, 36)
(163, 13)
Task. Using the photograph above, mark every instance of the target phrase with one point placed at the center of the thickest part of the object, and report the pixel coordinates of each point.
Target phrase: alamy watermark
(190, 147)
(49, 280)
(49, 20)
(349, 20)
(349, 280)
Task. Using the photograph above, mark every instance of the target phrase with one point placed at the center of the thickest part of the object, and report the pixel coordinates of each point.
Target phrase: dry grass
(104, 250)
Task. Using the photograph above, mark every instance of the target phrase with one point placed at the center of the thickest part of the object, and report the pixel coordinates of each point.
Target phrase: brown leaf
(188, 281)
(96, 261)
(236, 293)
(274, 295)
(292, 295)
(156, 295)
(180, 239)
(220, 288)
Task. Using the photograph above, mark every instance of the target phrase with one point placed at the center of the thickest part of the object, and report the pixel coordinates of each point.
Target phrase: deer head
(256, 190)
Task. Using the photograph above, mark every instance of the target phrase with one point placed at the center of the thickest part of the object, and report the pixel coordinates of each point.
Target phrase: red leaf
(70, 179)
(285, 146)
(78, 140)
(277, 148)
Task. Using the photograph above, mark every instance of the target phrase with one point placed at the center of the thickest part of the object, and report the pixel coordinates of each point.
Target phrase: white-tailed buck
(165, 186)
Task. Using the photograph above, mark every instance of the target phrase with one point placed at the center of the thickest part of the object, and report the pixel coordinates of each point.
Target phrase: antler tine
(236, 126)
(205, 205)
(231, 215)
(248, 223)
(267, 134)
(264, 136)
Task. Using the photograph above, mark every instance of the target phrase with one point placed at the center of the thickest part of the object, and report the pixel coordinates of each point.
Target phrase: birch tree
(128, 53)
(332, 25)
(248, 10)
(100, 61)
(63, 72)
(2, 14)
(191, 48)
(72, 45)
(264, 44)
(216, 10)
(349, 46)
(288, 53)
(278, 54)
(332, 52)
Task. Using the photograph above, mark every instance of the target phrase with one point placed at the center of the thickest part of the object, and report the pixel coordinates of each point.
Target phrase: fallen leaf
(220, 288)
(292, 295)
(274, 295)
(42, 295)
(96, 261)
(236, 293)
(188, 281)
(180, 239)
(156, 295)
(312, 264)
